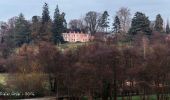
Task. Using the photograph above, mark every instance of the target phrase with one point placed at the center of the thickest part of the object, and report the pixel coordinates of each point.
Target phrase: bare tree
(3, 29)
(124, 16)
(11, 22)
(76, 24)
(92, 21)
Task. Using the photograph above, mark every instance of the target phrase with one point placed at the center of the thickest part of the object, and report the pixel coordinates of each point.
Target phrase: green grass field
(71, 45)
(3, 79)
(151, 97)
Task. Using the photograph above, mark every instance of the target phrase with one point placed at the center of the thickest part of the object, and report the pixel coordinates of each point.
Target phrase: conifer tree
(22, 31)
(35, 28)
(104, 21)
(45, 30)
(59, 26)
(140, 23)
(45, 14)
(116, 25)
(167, 28)
(158, 23)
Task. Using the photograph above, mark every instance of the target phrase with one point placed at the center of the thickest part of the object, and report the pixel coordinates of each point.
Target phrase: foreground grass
(151, 97)
(3, 78)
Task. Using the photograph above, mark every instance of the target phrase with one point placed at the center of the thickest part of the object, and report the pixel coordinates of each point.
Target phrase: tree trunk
(115, 90)
(90, 97)
(51, 83)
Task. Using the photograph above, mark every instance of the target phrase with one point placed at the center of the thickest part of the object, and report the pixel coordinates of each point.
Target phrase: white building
(77, 37)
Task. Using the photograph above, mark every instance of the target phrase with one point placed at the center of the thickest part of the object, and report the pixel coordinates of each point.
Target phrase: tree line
(40, 28)
(101, 70)
(18, 30)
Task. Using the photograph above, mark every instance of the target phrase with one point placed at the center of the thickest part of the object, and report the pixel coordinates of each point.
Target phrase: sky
(77, 8)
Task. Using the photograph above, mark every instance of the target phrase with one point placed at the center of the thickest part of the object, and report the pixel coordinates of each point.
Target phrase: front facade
(77, 37)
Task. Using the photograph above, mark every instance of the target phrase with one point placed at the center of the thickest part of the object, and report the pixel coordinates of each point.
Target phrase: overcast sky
(77, 8)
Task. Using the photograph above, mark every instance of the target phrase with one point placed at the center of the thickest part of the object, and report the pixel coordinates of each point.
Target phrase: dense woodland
(133, 60)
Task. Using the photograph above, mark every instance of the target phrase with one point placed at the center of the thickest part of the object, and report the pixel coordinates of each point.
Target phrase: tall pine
(116, 25)
(140, 23)
(22, 32)
(45, 30)
(45, 14)
(104, 21)
(158, 23)
(35, 28)
(58, 27)
(167, 27)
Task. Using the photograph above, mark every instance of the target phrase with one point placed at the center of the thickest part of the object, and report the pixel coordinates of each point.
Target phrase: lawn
(151, 97)
(71, 45)
(3, 78)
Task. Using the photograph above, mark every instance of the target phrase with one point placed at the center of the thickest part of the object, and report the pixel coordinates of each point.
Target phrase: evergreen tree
(158, 23)
(35, 28)
(140, 23)
(45, 14)
(22, 31)
(116, 25)
(167, 28)
(104, 21)
(45, 30)
(59, 26)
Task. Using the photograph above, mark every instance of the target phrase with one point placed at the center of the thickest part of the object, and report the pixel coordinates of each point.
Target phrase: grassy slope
(3, 78)
(151, 97)
(67, 46)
